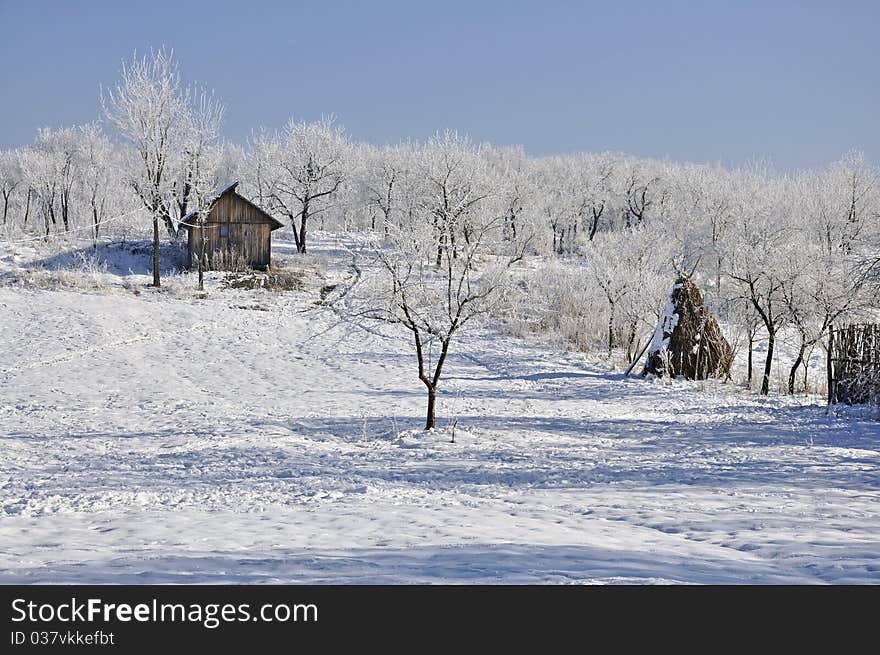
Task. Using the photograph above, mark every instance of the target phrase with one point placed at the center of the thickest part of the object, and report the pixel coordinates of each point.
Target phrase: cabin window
(224, 230)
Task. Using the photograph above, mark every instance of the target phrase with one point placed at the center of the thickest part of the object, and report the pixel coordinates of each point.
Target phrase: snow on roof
(189, 219)
(219, 194)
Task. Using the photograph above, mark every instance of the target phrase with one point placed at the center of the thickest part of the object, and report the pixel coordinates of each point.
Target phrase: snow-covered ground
(254, 436)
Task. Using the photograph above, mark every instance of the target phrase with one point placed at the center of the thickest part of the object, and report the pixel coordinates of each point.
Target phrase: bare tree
(307, 168)
(434, 302)
(148, 107)
(199, 149)
(515, 187)
(10, 177)
(638, 196)
(596, 191)
(390, 171)
(825, 282)
(41, 177)
(97, 174)
(756, 265)
(455, 182)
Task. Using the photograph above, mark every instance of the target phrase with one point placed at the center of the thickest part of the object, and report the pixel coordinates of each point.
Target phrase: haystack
(688, 341)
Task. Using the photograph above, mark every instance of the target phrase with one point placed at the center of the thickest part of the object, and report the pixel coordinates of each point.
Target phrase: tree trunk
(794, 367)
(432, 401)
(27, 207)
(304, 218)
(201, 257)
(768, 363)
(156, 281)
(65, 216)
(629, 345)
(611, 330)
(594, 226)
(96, 221)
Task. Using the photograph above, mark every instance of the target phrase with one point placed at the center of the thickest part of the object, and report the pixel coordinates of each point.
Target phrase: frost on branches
(446, 261)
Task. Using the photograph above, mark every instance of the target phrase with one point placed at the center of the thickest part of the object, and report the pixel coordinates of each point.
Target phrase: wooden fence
(855, 364)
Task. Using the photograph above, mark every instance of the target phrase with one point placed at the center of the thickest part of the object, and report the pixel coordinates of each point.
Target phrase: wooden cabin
(236, 233)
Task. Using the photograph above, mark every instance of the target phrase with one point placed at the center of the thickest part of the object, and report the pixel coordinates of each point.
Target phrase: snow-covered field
(253, 436)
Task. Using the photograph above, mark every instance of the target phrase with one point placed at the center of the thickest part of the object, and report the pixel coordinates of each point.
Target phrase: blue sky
(795, 82)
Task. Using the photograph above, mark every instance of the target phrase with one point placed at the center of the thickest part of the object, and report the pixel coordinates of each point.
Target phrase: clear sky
(726, 81)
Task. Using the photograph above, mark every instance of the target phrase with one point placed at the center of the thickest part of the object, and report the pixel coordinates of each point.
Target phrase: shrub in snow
(687, 341)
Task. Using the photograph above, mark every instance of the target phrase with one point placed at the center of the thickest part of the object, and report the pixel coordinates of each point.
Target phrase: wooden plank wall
(233, 209)
(249, 234)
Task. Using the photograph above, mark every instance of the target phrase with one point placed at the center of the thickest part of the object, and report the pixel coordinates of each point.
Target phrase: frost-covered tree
(435, 293)
(172, 130)
(98, 175)
(515, 188)
(11, 177)
(304, 167)
(827, 281)
(755, 261)
(41, 173)
(607, 267)
(456, 180)
(54, 170)
(387, 175)
(200, 150)
(639, 191)
(595, 197)
(629, 270)
(148, 109)
(550, 202)
(700, 203)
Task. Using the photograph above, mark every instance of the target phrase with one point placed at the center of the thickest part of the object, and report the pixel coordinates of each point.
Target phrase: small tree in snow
(434, 303)
(446, 262)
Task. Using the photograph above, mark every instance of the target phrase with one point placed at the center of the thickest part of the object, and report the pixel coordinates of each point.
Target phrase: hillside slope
(252, 436)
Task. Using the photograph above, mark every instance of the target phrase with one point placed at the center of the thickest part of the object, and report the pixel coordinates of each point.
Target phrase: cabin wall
(231, 208)
(233, 230)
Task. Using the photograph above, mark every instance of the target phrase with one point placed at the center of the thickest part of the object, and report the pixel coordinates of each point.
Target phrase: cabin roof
(188, 221)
